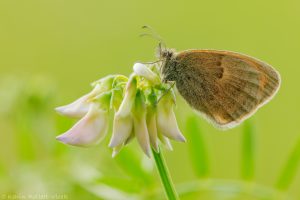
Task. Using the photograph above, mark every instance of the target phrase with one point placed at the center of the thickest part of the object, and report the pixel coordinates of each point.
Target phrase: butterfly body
(224, 86)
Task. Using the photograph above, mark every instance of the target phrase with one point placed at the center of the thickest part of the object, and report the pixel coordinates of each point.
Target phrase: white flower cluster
(143, 107)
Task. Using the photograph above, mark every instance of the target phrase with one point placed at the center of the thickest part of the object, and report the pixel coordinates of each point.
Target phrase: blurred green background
(51, 50)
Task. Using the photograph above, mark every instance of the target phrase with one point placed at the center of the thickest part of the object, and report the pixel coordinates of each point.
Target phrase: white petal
(167, 124)
(89, 130)
(77, 109)
(80, 107)
(139, 122)
(141, 133)
(152, 129)
(122, 128)
(142, 70)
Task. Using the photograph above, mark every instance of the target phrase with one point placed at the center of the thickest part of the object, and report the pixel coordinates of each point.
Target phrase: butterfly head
(166, 54)
(167, 58)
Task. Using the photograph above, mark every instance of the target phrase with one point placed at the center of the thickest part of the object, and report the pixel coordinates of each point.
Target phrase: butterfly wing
(226, 87)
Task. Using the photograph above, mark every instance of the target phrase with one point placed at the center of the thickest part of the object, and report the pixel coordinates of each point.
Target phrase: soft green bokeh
(62, 45)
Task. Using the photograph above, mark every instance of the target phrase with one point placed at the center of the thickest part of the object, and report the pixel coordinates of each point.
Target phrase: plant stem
(165, 176)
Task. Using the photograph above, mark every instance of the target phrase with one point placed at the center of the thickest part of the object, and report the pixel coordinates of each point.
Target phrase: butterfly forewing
(226, 87)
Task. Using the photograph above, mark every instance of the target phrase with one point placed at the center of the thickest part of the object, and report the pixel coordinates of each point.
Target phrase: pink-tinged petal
(88, 131)
(142, 70)
(122, 128)
(166, 120)
(80, 107)
(77, 109)
(128, 100)
(152, 129)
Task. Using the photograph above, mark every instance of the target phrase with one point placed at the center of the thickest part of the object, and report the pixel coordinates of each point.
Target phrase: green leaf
(288, 173)
(197, 148)
(248, 151)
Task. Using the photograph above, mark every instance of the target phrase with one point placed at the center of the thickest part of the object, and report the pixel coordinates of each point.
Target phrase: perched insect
(223, 86)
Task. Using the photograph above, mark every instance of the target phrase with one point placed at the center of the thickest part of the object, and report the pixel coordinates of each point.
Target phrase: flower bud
(128, 100)
(144, 71)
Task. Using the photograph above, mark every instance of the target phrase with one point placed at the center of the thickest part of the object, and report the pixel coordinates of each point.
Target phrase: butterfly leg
(149, 63)
(171, 83)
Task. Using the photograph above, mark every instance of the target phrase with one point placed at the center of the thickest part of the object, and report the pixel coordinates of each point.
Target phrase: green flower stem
(165, 176)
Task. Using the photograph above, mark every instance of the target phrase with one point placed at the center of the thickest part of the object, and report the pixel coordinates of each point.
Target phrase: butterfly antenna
(153, 34)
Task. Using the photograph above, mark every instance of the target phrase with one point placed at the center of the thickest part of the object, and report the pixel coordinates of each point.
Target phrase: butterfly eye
(166, 53)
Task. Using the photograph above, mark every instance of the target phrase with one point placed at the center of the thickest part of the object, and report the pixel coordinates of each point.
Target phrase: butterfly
(223, 86)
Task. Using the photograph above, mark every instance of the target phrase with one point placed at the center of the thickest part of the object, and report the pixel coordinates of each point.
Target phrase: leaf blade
(290, 168)
(197, 148)
(248, 151)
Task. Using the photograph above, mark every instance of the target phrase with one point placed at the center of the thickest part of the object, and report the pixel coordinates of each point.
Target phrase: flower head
(143, 107)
